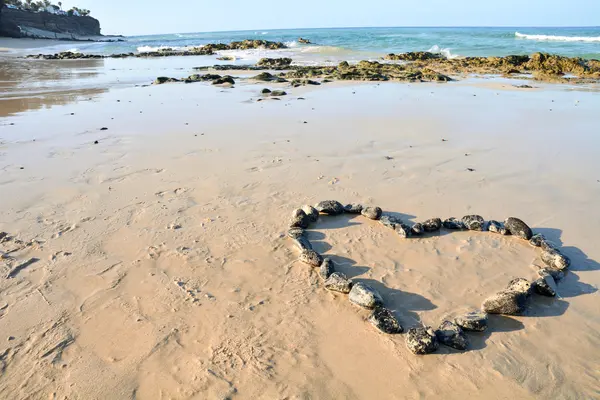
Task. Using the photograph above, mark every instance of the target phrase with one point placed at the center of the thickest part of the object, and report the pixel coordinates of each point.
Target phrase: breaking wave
(558, 38)
(445, 52)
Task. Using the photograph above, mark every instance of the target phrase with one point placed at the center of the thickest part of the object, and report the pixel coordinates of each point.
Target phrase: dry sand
(163, 270)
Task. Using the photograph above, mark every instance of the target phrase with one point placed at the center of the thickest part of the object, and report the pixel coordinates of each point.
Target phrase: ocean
(352, 44)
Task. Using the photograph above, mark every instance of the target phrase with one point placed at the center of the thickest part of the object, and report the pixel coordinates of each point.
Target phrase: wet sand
(161, 267)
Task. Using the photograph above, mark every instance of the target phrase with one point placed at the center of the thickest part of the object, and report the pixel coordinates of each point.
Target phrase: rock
(384, 320)
(278, 93)
(311, 212)
(265, 77)
(302, 243)
(311, 258)
(554, 273)
(353, 208)
(556, 260)
(451, 335)
(548, 245)
(518, 228)
(422, 340)
(473, 222)
(163, 79)
(498, 227)
(330, 207)
(365, 296)
(338, 282)
(389, 221)
(537, 239)
(326, 269)
(520, 285)
(304, 41)
(223, 80)
(509, 302)
(265, 91)
(226, 58)
(372, 212)
(295, 233)
(453, 224)
(417, 229)
(403, 230)
(476, 321)
(274, 63)
(299, 219)
(545, 286)
(432, 225)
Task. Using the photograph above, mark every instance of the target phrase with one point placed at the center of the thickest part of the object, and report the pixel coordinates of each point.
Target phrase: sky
(137, 17)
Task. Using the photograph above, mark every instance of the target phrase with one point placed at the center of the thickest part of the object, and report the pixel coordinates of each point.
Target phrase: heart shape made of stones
(512, 300)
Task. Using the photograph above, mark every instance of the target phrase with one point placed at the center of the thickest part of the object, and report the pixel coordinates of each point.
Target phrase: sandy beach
(146, 254)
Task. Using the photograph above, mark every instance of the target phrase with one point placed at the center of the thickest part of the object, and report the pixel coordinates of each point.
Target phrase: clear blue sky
(136, 17)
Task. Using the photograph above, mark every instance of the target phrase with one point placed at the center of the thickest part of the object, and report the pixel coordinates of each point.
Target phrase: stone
(548, 245)
(498, 227)
(265, 77)
(509, 302)
(338, 282)
(422, 340)
(556, 260)
(403, 230)
(384, 320)
(265, 91)
(278, 93)
(473, 222)
(417, 229)
(453, 224)
(389, 221)
(304, 41)
(295, 233)
(275, 63)
(353, 208)
(302, 243)
(223, 80)
(476, 321)
(372, 212)
(545, 286)
(326, 268)
(365, 296)
(330, 207)
(163, 79)
(432, 225)
(554, 273)
(451, 335)
(311, 212)
(299, 219)
(520, 285)
(537, 239)
(311, 258)
(518, 228)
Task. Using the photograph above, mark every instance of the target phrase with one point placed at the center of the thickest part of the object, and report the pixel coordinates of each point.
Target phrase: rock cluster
(424, 340)
(274, 63)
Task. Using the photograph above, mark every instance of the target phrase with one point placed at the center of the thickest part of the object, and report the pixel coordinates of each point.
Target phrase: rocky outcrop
(20, 23)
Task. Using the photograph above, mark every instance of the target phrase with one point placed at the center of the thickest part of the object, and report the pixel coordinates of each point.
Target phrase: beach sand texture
(154, 264)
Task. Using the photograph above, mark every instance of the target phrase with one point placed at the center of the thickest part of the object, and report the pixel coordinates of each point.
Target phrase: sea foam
(558, 38)
(445, 52)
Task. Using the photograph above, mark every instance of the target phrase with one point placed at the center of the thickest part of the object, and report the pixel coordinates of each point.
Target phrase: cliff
(20, 23)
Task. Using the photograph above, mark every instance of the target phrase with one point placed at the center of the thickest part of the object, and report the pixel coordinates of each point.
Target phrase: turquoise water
(369, 43)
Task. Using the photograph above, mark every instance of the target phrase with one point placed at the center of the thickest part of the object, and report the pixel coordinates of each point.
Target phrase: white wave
(445, 52)
(74, 50)
(558, 38)
(147, 49)
(291, 44)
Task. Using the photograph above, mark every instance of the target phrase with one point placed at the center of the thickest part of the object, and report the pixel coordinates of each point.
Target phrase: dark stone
(104, 129)
(274, 63)
(223, 80)
(422, 340)
(338, 282)
(330, 207)
(545, 286)
(302, 243)
(304, 41)
(417, 229)
(353, 208)
(432, 225)
(403, 230)
(311, 258)
(384, 320)
(372, 212)
(548, 245)
(555, 259)
(389, 221)
(509, 302)
(278, 93)
(265, 91)
(452, 335)
(311, 212)
(365, 296)
(498, 227)
(299, 219)
(537, 239)
(326, 269)
(163, 79)
(295, 233)
(518, 228)
(476, 321)
(554, 273)
(453, 224)
(265, 77)
(473, 222)
(520, 285)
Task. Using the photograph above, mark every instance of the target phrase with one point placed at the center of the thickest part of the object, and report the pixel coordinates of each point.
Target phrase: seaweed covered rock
(330, 207)
(311, 258)
(302, 243)
(372, 212)
(295, 233)
(268, 77)
(476, 321)
(353, 208)
(274, 63)
(432, 225)
(384, 320)
(365, 296)
(451, 335)
(473, 222)
(555, 259)
(403, 230)
(545, 285)
(311, 212)
(163, 79)
(326, 268)
(453, 224)
(498, 227)
(414, 56)
(518, 228)
(507, 302)
(417, 229)
(226, 79)
(338, 282)
(299, 219)
(278, 93)
(422, 340)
